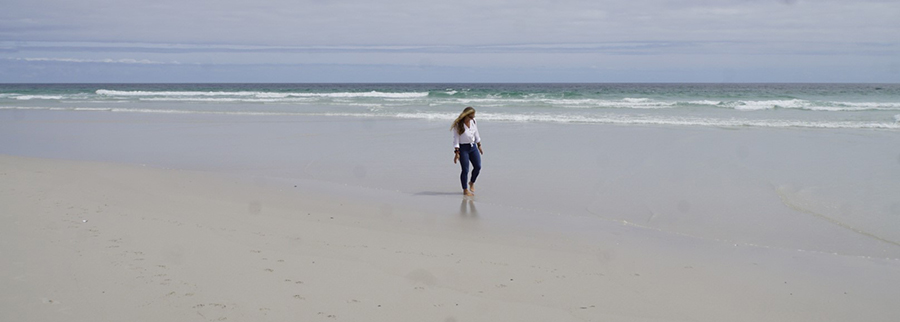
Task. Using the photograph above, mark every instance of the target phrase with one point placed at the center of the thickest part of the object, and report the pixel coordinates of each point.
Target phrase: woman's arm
(477, 135)
(455, 146)
(478, 139)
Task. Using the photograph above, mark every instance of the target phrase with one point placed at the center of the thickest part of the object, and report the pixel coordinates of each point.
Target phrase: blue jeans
(469, 153)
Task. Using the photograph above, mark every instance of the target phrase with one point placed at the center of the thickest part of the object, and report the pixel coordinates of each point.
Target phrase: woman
(465, 139)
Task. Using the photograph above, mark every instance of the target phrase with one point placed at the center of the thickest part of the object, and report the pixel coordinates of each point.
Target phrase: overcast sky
(450, 41)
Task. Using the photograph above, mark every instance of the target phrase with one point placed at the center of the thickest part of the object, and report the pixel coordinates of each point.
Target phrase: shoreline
(784, 189)
(343, 219)
(190, 245)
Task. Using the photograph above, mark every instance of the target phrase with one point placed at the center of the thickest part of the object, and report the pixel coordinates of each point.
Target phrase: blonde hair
(458, 124)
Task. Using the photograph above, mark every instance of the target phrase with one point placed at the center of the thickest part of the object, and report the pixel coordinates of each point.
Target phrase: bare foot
(472, 186)
(468, 193)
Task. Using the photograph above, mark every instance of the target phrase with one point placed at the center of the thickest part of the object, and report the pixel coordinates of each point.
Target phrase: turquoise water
(823, 106)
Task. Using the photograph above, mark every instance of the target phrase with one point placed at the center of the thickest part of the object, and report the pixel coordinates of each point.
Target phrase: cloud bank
(802, 40)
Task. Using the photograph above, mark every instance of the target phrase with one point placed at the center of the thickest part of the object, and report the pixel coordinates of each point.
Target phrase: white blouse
(470, 136)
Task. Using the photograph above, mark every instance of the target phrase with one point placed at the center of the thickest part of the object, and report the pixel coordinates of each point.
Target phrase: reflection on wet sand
(467, 208)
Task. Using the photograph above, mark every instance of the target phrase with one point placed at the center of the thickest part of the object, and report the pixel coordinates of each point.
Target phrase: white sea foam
(705, 102)
(765, 105)
(855, 106)
(47, 108)
(365, 94)
(835, 108)
(659, 120)
(24, 108)
(374, 94)
(105, 92)
(225, 99)
(491, 100)
(634, 103)
(804, 105)
(38, 97)
(101, 109)
(624, 103)
(380, 112)
(647, 103)
(638, 103)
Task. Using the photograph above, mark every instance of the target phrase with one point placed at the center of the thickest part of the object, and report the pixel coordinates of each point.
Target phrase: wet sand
(204, 217)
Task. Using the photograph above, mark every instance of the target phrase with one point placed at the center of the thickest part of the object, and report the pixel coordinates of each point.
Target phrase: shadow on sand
(436, 193)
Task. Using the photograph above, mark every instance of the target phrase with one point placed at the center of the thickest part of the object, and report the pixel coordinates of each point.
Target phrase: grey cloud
(103, 61)
(290, 23)
(666, 36)
(614, 48)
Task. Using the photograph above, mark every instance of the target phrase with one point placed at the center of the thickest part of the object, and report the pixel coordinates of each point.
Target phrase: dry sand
(90, 241)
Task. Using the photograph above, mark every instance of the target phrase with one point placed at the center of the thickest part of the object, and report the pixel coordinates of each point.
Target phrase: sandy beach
(114, 217)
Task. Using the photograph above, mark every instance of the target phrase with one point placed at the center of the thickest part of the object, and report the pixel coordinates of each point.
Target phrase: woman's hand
(480, 150)
(455, 157)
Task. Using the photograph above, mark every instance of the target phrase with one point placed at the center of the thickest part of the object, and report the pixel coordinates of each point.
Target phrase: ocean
(812, 167)
(820, 106)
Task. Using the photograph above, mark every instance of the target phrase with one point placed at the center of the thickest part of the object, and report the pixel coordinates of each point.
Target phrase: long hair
(459, 124)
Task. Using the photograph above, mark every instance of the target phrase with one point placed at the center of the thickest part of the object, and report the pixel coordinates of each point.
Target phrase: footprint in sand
(214, 309)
